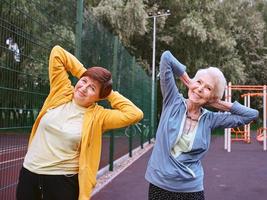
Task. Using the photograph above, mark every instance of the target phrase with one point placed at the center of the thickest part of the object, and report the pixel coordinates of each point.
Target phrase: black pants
(156, 193)
(33, 186)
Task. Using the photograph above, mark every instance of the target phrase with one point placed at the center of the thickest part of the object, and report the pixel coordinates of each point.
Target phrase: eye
(84, 80)
(92, 88)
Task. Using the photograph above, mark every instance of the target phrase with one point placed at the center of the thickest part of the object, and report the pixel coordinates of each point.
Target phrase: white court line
(13, 160)
(12, 149)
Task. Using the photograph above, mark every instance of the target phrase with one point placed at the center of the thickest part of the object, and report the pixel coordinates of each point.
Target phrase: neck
(192, 108)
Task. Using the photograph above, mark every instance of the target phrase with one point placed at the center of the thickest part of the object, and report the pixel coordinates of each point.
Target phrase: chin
(77, 99)
(193, 100)
(197, 102)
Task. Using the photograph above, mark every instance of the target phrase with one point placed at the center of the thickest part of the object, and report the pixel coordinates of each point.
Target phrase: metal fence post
(78, 28)
(111, 150)
(131, 141)
(142, 138)
(114, 69)
(132, 97)
(114, 77)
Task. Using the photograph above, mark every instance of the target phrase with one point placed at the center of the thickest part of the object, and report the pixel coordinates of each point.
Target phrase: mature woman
(183, 137)
(65, 143)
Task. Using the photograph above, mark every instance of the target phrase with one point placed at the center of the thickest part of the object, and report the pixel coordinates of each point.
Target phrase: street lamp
(154, 16)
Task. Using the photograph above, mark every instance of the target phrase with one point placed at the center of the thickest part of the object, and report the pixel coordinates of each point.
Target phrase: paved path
(239, 175)
(129, 185)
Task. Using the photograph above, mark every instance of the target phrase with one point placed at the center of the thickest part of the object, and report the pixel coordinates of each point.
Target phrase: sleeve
(123, 112)
(239, 115)
(60, 63)
(169, 66)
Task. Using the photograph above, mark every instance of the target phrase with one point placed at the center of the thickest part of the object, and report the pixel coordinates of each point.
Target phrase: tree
(126, 18)
(227, 34)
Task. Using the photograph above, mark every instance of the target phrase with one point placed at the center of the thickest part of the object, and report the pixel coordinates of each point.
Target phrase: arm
(123, 112)
(186, 80)
(170, 66)
(238, 115)
(221, 105)
(60, 62)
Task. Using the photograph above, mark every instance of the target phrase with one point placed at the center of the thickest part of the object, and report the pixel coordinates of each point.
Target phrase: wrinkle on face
(202, 89)
(86, 91)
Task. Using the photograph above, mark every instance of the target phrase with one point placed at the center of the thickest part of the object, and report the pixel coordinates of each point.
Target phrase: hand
(219, 104)
(187, 81)
(213, 102)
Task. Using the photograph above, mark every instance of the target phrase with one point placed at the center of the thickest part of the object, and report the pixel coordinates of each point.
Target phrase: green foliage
(126, 18)
(228, 34)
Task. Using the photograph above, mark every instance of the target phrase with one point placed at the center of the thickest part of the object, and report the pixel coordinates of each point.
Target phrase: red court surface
(13, 147)
(239, 175)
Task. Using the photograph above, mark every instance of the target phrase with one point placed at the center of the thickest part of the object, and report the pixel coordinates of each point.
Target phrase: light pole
(154, 16)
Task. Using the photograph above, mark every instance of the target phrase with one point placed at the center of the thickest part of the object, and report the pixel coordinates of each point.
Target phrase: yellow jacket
(97, 119)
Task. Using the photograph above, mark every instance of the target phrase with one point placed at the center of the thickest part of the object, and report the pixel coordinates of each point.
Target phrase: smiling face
(202, 89)
(86, 91)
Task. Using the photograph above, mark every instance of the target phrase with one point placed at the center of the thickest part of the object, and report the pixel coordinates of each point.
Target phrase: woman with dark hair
(183, 137)
(65, 142)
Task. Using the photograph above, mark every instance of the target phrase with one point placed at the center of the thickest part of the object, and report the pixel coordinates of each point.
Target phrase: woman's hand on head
(220, 105)
(190, 84)
(106, 98)
(187, 81)
(213, 102)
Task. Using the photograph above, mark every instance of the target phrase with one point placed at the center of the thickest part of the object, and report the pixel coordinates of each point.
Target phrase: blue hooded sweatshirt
(185, 173)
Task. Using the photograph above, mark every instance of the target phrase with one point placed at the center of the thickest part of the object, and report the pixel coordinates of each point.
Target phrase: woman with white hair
(183, 136)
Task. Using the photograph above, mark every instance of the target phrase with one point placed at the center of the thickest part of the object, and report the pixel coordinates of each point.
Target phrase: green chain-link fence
(28, 31)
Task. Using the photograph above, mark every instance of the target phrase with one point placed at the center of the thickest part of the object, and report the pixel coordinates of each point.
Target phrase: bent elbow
(255, 115)
(56, 48)
(165, 55)
(139, 115)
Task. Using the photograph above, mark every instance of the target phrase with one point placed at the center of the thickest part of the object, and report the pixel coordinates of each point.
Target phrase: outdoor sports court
(239, 175)
(13, 147)
(25, 45)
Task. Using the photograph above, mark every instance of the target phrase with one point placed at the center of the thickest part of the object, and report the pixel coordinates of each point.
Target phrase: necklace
(189, 125)
(188, 117)
(194, 112)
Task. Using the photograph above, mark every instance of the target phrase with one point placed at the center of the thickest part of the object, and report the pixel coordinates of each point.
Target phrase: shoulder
(208, 114)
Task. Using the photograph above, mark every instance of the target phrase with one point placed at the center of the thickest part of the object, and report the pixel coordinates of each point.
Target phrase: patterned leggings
(156, 193)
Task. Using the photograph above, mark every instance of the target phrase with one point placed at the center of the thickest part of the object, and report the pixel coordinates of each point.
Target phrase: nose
(200, 88)
(84, 88)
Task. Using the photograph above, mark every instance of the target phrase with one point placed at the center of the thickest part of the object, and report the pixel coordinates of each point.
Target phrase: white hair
(220, 81)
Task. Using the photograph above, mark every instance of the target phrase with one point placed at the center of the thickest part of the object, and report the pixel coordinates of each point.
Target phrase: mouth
(196, 95)
(81, 93)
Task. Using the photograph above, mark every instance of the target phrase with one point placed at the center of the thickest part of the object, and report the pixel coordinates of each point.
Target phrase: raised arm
(237, 115)
(221, 105)
(123, 112)
(170, 67)
(60, 63)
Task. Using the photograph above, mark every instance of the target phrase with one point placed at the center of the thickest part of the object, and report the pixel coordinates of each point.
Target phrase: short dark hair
(103, 76)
